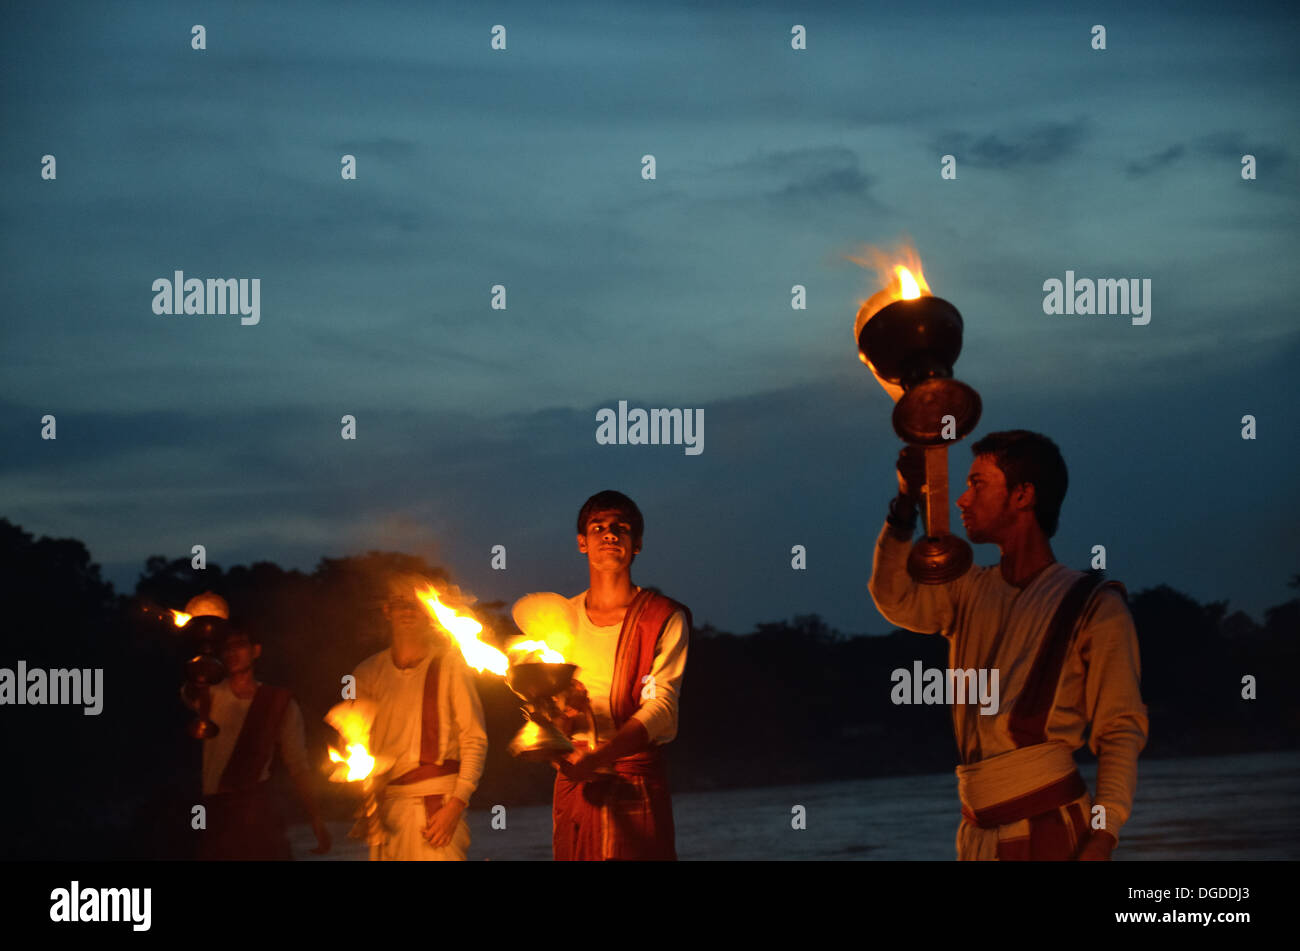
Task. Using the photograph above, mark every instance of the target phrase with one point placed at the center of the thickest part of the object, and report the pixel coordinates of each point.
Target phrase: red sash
(1058, 829)
(244, 826)
(1055, 836)
(1028, 722)
(429, 750)
(626, 817)
(644, 621)
(257, 739)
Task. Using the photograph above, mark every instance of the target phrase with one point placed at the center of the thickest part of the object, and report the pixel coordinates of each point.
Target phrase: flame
(901, 278)
(534, 652)
(179, 618)
(465, 630)
(907, 284)
(530, 734)
(359, 762)
(547, 619)
(352, 720)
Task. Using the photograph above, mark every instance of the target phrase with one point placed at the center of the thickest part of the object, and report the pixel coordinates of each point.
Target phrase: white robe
(229, 713)
(396, 734)
(402, 811)
(989, 624)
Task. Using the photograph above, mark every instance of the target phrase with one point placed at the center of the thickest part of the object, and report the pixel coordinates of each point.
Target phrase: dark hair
(609, 499)
(1030, 458)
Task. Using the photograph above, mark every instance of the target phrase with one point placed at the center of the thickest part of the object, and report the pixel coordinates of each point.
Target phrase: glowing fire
(907, 284)
(900, 275)
(529, 735)
(534, 652)
(465, 630)
(547, 619)
(359, 762)
(901, 278)
(352, 720)
(179, 618)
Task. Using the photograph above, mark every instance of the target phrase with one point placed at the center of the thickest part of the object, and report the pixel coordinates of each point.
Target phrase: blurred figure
(429, 721)
(243, 821)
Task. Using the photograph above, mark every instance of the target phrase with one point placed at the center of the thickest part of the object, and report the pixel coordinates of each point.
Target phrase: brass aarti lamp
(910, 339)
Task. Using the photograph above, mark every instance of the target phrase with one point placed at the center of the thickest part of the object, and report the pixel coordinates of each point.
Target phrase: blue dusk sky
(476, 167)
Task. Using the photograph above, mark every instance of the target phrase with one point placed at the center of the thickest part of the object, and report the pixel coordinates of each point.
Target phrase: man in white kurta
(611, 800)
(244, 821)
(593, 651)
(1011, 760)
(228, 712)
(423, 796)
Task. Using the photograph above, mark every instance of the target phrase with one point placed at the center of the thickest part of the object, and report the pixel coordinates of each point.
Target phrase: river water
(1223, 807)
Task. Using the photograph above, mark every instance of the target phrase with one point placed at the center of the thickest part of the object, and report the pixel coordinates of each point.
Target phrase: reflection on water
(1223, 807)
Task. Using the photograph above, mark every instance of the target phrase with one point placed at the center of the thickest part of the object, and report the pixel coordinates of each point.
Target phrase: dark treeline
(792, 701)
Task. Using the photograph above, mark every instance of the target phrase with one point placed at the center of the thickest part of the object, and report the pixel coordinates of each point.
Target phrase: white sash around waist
(1012, 774)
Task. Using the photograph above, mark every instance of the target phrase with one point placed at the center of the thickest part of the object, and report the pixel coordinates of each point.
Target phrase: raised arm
(924, 608)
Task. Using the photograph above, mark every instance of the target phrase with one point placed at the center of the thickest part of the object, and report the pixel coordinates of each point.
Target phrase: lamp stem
(936, 490)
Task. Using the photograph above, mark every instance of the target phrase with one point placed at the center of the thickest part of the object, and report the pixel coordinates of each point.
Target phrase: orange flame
(530, 734)
(908, 286)
(179, 618)
(352, 720)
(901, 278)
(899, 273)
(534, 652)
(359, 762)
(465, 631)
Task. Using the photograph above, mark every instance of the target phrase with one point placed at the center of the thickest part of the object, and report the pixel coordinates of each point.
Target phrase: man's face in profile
(985, 505)
(608, 543)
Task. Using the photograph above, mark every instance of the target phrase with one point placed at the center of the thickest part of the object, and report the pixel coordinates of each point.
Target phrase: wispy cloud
(1156, 162)
(1039, 144)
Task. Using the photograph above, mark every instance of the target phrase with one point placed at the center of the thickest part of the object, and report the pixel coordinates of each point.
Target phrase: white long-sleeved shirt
(399, 695)
(982, 614)
(229, 713)
(593, 650)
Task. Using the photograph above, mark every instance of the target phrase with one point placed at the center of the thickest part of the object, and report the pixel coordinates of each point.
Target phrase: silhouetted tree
(792, 701)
